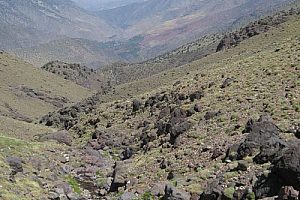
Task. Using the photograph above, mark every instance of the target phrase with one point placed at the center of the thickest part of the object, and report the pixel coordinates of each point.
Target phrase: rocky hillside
(256, 28)
(120, 73)
(81, 75)
(28, 93)
(217, 128)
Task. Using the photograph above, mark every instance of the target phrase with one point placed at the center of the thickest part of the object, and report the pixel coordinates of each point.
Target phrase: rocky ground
(228, 128)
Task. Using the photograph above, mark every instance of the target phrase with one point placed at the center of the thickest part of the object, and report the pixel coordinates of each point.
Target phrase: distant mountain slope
(27, 92)
(120, 73)
(29, 22)
(168, 24)
(96, 5)
(77, 50)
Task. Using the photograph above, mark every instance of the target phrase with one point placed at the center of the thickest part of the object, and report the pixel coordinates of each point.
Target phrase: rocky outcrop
(120, 178)
(172, 193)
(288, 165)
(67, 117)
(255, 28)
(77, 73)
(262, 141)
(56, 101)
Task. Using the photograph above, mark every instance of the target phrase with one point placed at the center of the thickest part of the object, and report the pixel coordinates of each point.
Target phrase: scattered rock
(197, 108)
(164, 164)
(212, 192)
(243, 165)
(126, 154)
(217, 152)
(263, 137)
(158, 189)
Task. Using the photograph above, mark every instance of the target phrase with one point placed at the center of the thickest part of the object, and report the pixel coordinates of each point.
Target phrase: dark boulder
(179, 129)
(267, 186)
(126, 153)
(263, 138)
(172, 193)
(212, 114)
(212, 192)
(136, 105)
(285, 172)
(196, 95)
(288, 165)
(16, 164)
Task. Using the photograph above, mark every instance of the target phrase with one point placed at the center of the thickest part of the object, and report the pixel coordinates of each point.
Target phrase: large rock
(60, 136)
(136, 105)
(196, 95)
(288, 165)
(120, 175)
(263, 138)
(171, 193)
(16, 164)
(213, 191)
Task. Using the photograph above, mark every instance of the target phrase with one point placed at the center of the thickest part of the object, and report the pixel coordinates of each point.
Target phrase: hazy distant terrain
(29, 22)
(96, 5)
(116, 31)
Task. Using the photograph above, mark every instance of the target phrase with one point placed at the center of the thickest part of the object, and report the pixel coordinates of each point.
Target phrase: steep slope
(187, 133)
(23, 22)
(28, 92)
(175, 127)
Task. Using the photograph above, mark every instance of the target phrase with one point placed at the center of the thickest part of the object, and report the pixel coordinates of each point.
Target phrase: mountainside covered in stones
(81, 75)
(225, 126)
